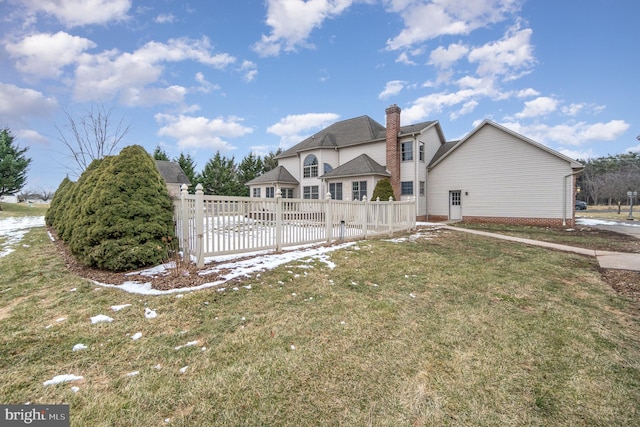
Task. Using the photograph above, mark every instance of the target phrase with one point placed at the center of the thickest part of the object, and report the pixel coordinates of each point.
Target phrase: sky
(250, 76)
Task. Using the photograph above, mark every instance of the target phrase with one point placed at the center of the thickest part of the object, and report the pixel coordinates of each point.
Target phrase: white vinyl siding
(501, 175)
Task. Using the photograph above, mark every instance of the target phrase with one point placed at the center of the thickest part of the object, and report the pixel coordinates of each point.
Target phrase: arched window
(310, 169)
(327, 168)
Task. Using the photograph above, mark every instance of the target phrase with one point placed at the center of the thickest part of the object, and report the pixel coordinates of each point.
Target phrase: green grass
(22, 209)
(582, 237)
(449, 329)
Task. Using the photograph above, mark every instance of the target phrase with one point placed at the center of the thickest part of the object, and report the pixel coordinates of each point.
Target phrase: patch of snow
(189, 344)
(13, 229)
(136, 336)
(592, 222)
(73, 289)
(75, 389)
(101, 318)
(119, 307)
(150, 314)
(61, 319)
(184, 369)
(59, 379)
(79, 347)
(133, 374)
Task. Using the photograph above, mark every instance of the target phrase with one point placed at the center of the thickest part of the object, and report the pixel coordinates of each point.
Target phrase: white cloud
(430, 105)
(16, 104)
(250, 70)
(635, 149)
(134, 96)
(74, 13)
(292, 21)
(205, 86)
(202, 132)
(44, 54)
(577, 154)
(527, 93)
(294, 128)
(392, 88)
(538, 107)
(445, 57)
(31, 135)
(403, 58)
(111, 73)
(571, 133)
(427, 20)
(513, 52)
(165, 18)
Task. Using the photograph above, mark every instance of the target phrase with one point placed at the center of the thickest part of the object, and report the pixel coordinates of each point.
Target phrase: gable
(503, 134)
(360, 166)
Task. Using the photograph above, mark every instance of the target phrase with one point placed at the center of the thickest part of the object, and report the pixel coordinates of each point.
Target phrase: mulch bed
(184, 277)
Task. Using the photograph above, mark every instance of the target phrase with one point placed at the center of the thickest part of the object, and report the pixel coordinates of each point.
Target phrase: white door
(455, 205)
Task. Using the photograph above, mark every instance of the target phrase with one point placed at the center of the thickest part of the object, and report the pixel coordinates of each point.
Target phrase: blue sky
(247, 76)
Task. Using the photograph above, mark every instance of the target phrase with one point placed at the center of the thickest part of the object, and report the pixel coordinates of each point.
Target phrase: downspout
(564, 196)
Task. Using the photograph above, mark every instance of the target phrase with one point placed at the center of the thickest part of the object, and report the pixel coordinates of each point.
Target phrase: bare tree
(91, 136)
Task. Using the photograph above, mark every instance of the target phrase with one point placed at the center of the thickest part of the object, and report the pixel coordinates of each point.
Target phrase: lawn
(444, 328)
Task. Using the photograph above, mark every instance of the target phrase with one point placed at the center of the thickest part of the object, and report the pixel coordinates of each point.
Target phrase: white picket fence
(217, 225)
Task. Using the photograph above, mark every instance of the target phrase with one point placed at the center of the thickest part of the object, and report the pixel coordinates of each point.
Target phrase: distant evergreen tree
(220, 176)
(188, 165)
(250, 167)
(160, 154)
(270, 162)
(13, 164)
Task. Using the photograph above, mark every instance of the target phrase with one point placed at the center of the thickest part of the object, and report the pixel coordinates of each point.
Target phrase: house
(173, 176)
(493, 174)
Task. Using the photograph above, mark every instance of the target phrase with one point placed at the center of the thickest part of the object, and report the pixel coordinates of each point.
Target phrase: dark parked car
(580, 205)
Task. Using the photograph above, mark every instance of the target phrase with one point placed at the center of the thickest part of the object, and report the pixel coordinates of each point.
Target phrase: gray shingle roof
(361, 165)
(172, 173)
(346, 132)
(416, 128)
(444, 149)
(278, 175)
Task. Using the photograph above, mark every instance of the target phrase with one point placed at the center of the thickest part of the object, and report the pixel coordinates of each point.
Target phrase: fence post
(390, 216)
(328, 216)
(184, 224)
(364, 210)
(278, 220)
(199, 225)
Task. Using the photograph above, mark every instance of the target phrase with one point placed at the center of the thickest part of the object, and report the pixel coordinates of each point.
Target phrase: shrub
(123, 211)
(383, 190)
(53, 213)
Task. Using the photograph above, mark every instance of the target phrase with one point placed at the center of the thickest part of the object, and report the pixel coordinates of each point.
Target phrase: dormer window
(310, 169)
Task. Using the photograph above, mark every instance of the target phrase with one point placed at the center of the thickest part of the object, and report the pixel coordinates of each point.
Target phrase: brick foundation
(437, 218)
(538, 222)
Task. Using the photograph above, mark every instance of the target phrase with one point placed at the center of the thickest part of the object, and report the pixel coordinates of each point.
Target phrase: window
(310, 169)
(336, 190)
(407, 151)
(455, 198)
(422, 188)
(421, 151)
(327, 168)
(256, 192)
(287, 193)
(310, 192)
(406, 188)
(270, 192)
(359, 189)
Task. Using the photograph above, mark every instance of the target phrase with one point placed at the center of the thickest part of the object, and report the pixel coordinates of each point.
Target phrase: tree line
(221, 175)
(606, 180)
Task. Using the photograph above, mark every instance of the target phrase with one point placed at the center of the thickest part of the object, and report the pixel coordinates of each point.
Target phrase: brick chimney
(393, 150)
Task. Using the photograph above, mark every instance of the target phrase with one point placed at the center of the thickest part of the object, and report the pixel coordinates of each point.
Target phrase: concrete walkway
(613, 260)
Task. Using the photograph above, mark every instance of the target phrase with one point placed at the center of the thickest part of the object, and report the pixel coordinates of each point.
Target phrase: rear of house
(497, 175)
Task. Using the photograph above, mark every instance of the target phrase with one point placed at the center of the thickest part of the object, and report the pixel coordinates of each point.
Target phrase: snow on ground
(58, 379)
(595, 222)
(13, 230)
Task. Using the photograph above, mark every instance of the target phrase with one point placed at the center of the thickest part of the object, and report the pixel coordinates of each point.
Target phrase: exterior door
(455, 205)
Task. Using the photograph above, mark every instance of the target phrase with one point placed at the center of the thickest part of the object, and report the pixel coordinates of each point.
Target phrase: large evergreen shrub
(383, 190)
(53, 213)
(123, 215)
